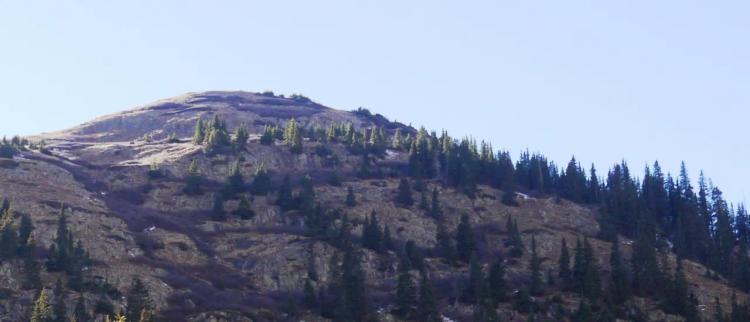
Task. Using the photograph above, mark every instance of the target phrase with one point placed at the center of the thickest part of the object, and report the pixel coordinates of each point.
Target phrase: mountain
(221, 229)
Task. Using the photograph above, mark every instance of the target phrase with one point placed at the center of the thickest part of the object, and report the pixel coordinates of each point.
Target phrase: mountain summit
(238, 206)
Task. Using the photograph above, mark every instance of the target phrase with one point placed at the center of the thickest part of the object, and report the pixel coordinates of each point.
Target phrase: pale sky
(604, 80)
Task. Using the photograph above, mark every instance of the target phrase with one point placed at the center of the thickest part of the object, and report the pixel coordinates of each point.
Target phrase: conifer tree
(351, 200)
(535, 288)
(497, 286)
(403, 196)
(59, 309)
(435, 210)
(235, 182)
(397, 142)
(474, 291)
(240, 137)
(387, 239)
(619, 285)
(80, 314)
(42, 312)
(199, 135)
(514, 236)
(284, 198)
(217, 212)
(465, 242)
(261, 184)
(427, 308)
(268, 135)
(292, 136)
(193, 180)
(138, 300)
(406, 291)
(563, 264)
(415, 256)
(31, 269)
(371, 233)
(243, 209)
(309, 297)
(24, 232)
(423, 203)
(445, 244)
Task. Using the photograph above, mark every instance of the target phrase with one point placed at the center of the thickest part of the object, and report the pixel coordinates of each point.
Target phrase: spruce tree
(563, 265)
(59, 310)
(268, 136)
(371, 233)
(261, 184)
(387, 239)
(25, 228)
(427, 310)
(406, 291)
(351, 200)
(193, 180)
(292, 136)
(535, 288)
(309, 297)
(240, 137)
(243, 209)
(138, 300)
(514, 236)
(31, 268)
(465, 242)
(415, 256)
(217, 212)
(403, 196)
(42, 312)
(445, 244)
(497, 286)
(199, 135)
(619, 285)
(435, 210)
(474, 291)
(235, 182)
(284, 198)
(80, 313)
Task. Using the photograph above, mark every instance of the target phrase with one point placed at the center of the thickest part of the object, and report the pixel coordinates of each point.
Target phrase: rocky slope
(245, 270)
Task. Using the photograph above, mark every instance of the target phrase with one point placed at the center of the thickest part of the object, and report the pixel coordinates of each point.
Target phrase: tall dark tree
(79, 312)
(351, 200)
(406, 291)
(31, 270)
(563, 265)
(514, 238)
(465, 242)
(217, 211)
(243, 209)
(427, 310)
(284, 197)
(496, 283)
(535, 287)
(235, 182)
(138, 300)
(435, 209)
(474, 291)
(403, 195)
(193, 180)
(59, 309)
(619, 285)
(372, 235)
(261, 184)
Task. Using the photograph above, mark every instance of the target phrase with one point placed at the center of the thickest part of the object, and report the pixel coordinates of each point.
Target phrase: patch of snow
(447, 319)
(523, 196)
(149, 229)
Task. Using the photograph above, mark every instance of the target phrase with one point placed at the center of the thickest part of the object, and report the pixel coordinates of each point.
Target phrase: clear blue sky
(644, 80)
